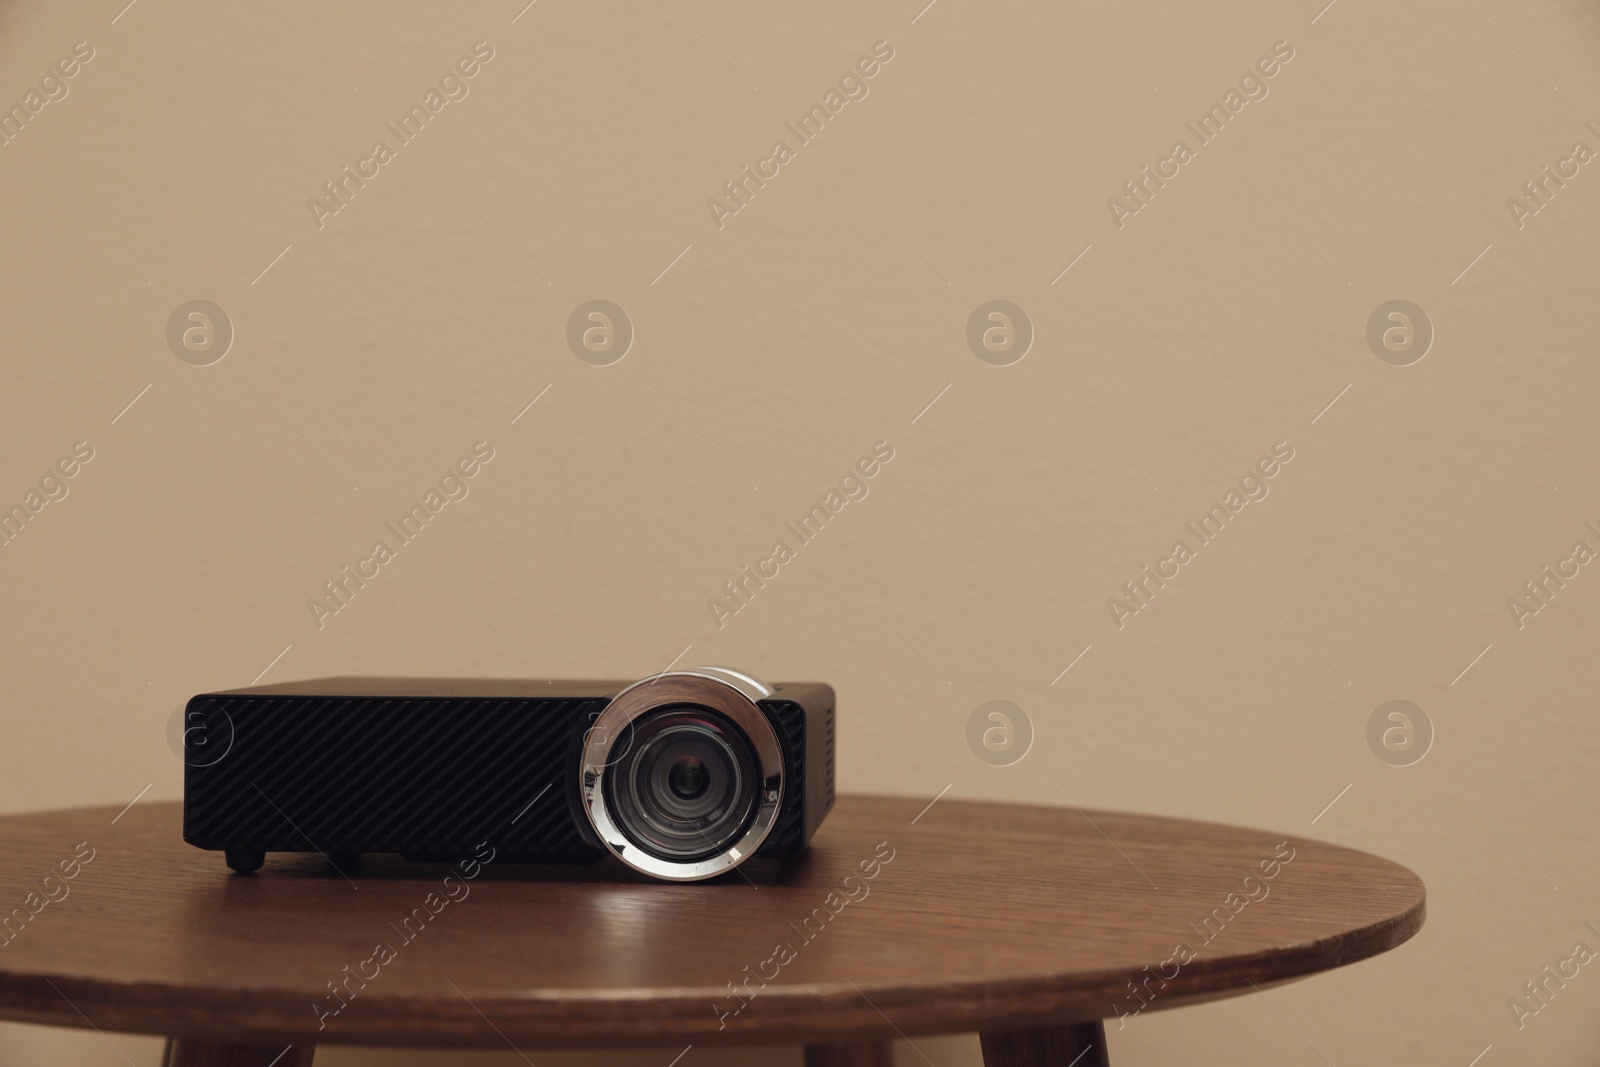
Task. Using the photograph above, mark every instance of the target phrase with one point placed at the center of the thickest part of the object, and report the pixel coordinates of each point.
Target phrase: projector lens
(682, 774)
(688, 778)
(688, 785)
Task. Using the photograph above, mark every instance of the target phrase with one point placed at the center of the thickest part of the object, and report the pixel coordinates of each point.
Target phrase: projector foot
(244, 860)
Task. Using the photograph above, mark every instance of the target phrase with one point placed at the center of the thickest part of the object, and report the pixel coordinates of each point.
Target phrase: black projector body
(683, 775)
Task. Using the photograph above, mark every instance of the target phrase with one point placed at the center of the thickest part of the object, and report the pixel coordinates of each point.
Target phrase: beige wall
(821, 318)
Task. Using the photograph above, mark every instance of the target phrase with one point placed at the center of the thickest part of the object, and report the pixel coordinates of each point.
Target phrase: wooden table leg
(185, 1052)
(859, 1054)
(1078, 1045)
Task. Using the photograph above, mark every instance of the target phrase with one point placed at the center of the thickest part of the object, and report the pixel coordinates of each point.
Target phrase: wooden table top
(967, 916)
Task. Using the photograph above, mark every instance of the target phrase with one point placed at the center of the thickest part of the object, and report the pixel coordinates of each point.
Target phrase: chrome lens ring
(727, 693)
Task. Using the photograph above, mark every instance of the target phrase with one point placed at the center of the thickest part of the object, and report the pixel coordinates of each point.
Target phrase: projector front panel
(424, 775)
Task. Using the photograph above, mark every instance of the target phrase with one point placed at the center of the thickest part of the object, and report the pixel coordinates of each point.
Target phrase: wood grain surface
(965, 916)
(862, 1054)
(186, 1052)
(1081, 1045)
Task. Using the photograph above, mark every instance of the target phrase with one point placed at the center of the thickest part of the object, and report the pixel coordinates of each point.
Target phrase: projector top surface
(463, 688)
(435, 687)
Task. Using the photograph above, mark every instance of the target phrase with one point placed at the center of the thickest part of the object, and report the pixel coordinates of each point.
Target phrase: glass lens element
(688, 786)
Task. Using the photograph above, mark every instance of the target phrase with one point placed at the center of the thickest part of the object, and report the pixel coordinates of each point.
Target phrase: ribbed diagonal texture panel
(388, 775)
(788, 834)
(827, 755)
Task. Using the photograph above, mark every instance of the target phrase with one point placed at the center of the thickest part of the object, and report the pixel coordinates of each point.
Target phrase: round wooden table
(1029, 925)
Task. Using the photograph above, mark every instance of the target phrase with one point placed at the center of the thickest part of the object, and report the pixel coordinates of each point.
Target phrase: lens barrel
(682, 774)
(688, 785)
